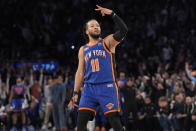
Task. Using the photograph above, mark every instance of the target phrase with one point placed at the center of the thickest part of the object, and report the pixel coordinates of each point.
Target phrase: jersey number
(95, 65)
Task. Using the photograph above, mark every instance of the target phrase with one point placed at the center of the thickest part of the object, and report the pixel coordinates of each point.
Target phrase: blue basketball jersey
(99, 63)
(18, 90)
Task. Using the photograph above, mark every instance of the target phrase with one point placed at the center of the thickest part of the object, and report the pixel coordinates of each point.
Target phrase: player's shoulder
(81, 48)
(81, 51)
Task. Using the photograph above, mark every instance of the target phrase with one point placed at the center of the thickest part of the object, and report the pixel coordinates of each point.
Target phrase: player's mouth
(96, 31)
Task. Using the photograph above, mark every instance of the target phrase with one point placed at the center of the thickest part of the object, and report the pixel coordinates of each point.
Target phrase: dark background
(45, 30)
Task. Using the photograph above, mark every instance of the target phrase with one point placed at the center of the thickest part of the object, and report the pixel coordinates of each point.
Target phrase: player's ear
(87, 32)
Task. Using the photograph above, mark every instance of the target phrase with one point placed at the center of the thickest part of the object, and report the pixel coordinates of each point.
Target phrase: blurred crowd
(159, 31)
(163, 101)
(150, 61)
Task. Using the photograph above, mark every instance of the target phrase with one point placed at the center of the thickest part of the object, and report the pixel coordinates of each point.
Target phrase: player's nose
(96, 27)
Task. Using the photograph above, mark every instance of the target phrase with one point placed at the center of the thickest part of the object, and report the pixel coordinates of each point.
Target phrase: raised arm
(114, 39)
(31, 78)
(11, 94)
(8, 83)
(41, 77)
(189, 73)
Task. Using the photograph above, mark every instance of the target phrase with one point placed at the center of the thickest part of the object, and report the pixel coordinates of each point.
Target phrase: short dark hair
(147, 97)
(162, 99)
(55, 76)
(85, 27)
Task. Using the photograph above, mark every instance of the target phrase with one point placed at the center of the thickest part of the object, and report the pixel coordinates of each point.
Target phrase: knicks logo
(18, 90)
(110, 106)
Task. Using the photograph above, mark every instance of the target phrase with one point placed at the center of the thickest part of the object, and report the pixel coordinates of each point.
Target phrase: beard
(94, 36)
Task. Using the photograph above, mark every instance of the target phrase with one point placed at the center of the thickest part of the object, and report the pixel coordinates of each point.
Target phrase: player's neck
(93, 41)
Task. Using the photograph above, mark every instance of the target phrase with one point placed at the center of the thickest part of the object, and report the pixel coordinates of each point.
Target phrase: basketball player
(16, 101)
(96, 70)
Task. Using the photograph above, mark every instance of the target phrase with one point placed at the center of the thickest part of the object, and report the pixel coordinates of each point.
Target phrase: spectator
(17, 104)
(129, 94)
(122, 80)
(146, 116)
(166, 119)
(3, 116)
(193, 118)
(179, 110)
(189, 110)
(159, 91)
(57, 100)
(47, 95)
(33, 117)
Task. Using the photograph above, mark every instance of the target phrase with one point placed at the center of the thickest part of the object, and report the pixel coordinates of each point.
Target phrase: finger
(98, 6)
(97, 9)
(102, 13)
(71, 105)
(75, 100)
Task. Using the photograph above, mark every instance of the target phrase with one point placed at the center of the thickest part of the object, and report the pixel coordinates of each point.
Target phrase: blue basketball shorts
(16, 104)
(105, 95)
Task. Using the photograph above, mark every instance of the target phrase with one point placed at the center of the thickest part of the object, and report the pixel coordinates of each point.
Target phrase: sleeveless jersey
(99, 63)
(18, 91)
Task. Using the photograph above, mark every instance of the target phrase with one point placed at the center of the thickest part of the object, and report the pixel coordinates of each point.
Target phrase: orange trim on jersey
(112, 69)
(84, 108)
(111, 61)
(83, 51)
(117, 97)
(106, 48)
(22, 110)
(83, 55)
(111, 111)
(113, 74)
(92, 44)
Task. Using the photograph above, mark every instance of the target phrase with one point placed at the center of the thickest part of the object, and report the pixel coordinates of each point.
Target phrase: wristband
(75, 93)
(113, 14)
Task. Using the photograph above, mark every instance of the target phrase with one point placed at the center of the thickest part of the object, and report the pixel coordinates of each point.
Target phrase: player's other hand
(73, 101)
(104, 11)
(75, 98)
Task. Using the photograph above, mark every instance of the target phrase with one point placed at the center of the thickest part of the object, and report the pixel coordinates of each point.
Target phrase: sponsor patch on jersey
(99, 44)
(85, 49)
(110, 106)
(109, 85)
